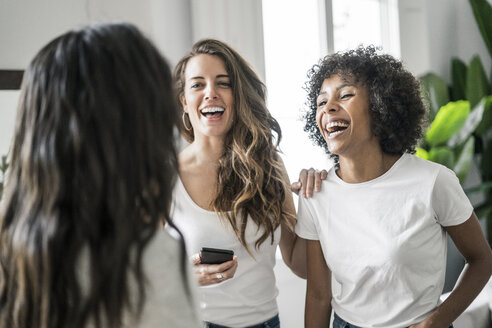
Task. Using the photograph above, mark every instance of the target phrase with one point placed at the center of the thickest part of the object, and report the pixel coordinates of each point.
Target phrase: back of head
(92, 168)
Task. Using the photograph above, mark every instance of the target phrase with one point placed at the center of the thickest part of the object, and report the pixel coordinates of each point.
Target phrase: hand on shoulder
(309, 181)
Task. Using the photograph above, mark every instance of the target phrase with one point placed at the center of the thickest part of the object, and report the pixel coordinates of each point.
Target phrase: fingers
(301, 184)
(196, 258)
(208, 274)
(319, 176)
(226, 265)
(309, 181)
(308, 192)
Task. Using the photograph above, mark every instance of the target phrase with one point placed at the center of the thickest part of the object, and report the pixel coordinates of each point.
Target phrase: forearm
(474, 279)
(318, 311)
(471, 243)
(293, 251)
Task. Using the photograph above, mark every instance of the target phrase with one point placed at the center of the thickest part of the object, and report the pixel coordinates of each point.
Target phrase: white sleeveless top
(249, 297)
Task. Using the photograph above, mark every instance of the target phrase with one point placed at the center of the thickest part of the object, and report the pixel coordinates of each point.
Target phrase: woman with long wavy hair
(93, 164)
(233, 191)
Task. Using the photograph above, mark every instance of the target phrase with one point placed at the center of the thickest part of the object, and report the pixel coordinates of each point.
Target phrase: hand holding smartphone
(215, 255)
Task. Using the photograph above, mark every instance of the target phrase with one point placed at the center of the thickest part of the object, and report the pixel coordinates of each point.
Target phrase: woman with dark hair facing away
(233, 189)
(93, 164)
(378, 226)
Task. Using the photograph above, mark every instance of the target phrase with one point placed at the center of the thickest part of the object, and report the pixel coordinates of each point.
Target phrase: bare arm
(318, 292)
(292, 247)
(471, 243)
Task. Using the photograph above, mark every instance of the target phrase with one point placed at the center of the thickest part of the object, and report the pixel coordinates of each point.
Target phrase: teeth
(336, 123)
(213, 110)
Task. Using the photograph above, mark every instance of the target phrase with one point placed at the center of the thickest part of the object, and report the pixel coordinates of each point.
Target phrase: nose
(330, 108)
(210, 93)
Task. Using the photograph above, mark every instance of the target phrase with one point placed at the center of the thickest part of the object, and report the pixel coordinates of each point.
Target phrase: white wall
(27, 25)
(432, 32)
(8, 103)
(236, 22)
(470, 41)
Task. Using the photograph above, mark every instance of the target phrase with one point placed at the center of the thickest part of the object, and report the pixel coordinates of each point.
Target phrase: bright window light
(292, 45)
(366, 22)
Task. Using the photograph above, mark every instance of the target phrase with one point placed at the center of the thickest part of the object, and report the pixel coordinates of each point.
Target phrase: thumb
(196, 258)
(295, 187)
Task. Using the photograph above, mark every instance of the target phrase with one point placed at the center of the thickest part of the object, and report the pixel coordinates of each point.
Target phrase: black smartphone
(215, 255)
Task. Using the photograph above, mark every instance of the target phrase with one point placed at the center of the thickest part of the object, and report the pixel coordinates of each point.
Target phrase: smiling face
(207, 96)
(343, 117)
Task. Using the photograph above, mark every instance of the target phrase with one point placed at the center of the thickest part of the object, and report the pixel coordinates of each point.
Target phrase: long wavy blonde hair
(250, 176)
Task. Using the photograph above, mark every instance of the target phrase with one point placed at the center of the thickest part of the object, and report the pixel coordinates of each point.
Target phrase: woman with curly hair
(232, 192)
(92, 169)
(376, 232)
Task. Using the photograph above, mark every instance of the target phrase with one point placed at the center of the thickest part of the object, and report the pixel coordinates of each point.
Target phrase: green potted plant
(461, 116)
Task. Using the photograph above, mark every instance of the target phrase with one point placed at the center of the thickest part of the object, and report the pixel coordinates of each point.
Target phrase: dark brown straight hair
(92, 168)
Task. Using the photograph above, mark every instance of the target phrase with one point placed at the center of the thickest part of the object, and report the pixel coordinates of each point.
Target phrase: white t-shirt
(383, 240)
(249, 297)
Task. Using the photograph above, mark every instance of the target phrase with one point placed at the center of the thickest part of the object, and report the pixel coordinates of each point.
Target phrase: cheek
(229, 99)
(191, 98)
(319, 116)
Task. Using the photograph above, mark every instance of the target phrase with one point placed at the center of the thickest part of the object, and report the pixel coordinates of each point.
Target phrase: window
(366, 22)
(292, 38)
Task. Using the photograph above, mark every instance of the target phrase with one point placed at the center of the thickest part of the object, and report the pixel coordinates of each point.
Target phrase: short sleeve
(306, 226)
(449, 201)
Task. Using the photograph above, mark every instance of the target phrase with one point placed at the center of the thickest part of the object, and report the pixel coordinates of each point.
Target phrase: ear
(182, 100)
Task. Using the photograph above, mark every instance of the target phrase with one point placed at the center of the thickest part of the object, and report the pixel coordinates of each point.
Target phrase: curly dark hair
(396, 106)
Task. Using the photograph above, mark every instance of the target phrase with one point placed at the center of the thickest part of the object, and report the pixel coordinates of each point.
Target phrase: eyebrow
(202, 78)
(340, 87)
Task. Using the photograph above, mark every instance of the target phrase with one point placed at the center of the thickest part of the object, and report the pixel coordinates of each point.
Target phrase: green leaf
(477, 85)
(465, 158)
(472, 122)
(435, 91)
(422, 153)
(458, 77)
(486, 122)
(3, 164)
(449, 120)
(483, 16)
(442, 155)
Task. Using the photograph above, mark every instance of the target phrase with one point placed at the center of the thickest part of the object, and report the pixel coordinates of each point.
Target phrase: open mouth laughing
(335, 128)
(212, 112)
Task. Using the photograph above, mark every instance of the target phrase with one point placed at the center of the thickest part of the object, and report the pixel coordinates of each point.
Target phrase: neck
(365, 167)
(207, 150)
